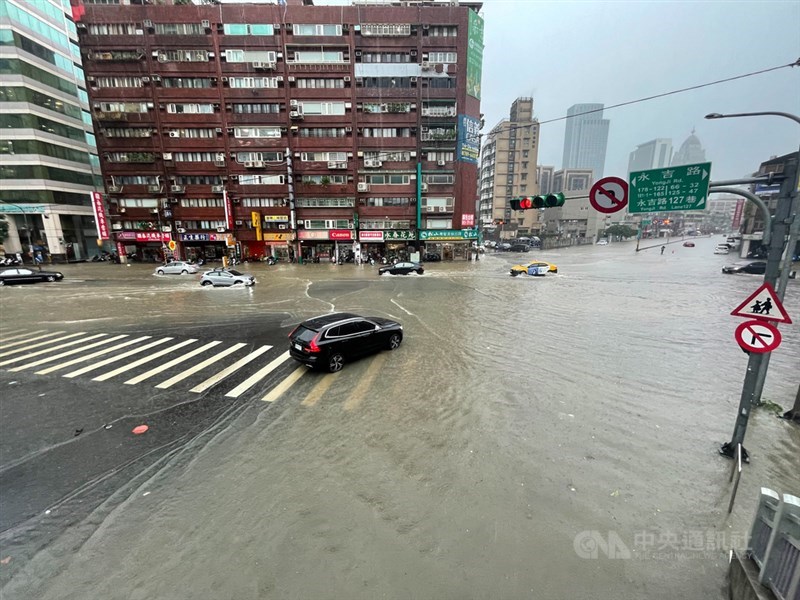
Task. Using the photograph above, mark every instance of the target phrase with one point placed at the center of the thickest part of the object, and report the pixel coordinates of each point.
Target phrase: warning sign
(763, 304)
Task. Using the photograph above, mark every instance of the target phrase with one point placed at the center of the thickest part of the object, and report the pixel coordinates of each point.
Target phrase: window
(387, 82)
(439, 179)
(525, 153)
(193, 109)
(261, 179)
(439, 110)
(387, 179)
(253, 82)
(444, 204)
(257, 132)
(202, 202)
(387, 155)
(438, 155)
(442, 30)
(131, 157)
(386, 57)
(194, 156)
(326, 179)
(18, 146)
(328, 224)
(438, 134)
(139, 202)
(317, 29)
(119, 132)
(323, 156)
(179, 29)
(238, 56)
(193, 132)
(326, 202)
(117, 82)
(265, 202)
(23, 94)
(247, 29)
(182, 56)
(186, 82)
(111, 29)
(387, 132)
(311, 56)
(391, 201)
(323, 108)
(316, 132)
(243, 157)
(441, 82)
(309, 82)
(385, 224)
(123, 107)
(442, 57)
(197, 180)
(385, 29)
(386, 107)
(257, 108)
(31, 121)
(135, 179)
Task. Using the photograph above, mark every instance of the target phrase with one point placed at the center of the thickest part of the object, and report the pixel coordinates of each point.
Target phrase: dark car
(402, 268)
(23, 275)
(519, 248)
(327, 341)
(432, 257)
(754, 268)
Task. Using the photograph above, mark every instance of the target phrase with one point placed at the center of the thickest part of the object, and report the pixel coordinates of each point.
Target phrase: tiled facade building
(287, 129)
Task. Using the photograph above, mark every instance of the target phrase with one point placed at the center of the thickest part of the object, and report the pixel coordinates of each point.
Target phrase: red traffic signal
(525, 203)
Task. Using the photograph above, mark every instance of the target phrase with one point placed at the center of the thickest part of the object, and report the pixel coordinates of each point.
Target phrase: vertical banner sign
(100, 215)
(474, 54)
(737, 215)
(467, 221)
(255, 217)
(468, 146)
(228, 210)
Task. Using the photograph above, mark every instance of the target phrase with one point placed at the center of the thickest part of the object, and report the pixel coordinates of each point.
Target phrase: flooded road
(544, 438)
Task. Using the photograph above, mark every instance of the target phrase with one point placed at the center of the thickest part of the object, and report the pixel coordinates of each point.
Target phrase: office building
(586, 139)
(654, 154)
(47, 153)
(293, 130)
(576, 222)
(691, 152)
(508, 170)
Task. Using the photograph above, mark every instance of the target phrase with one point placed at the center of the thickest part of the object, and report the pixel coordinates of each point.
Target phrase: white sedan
(176, 267)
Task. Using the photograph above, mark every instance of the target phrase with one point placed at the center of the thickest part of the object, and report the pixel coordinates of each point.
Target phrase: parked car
(226, 277)
(432, 257)
(177, 267)
(602, 242)
(22, 275)
(688, 244)
(504, 247)
(328, 341)
(402, 268)
(754, 268)
(722, 249)
(519, 248)
(536, 267)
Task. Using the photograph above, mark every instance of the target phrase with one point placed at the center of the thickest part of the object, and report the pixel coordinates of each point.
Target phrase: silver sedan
(176, 267)
(226, 277)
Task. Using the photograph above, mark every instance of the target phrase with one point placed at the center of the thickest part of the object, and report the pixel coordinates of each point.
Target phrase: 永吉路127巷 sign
(684, 187)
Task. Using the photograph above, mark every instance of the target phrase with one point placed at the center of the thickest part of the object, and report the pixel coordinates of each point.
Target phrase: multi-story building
(691, 152)
(508, 170)
(576, 222)
(586, 139)
(288, 129)
(654, 154)
(48, 156)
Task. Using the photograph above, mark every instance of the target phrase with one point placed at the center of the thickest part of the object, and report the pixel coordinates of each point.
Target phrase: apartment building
(576, 221)
(287, 129)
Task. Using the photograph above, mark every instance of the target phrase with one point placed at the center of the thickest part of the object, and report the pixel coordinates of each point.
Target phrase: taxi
(536, 267)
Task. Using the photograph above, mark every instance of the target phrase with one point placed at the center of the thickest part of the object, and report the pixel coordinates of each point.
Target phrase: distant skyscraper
(654, 154)
(691, 152)
(586, 139)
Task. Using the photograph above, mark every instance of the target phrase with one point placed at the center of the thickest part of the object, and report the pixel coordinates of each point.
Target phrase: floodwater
(542, 438)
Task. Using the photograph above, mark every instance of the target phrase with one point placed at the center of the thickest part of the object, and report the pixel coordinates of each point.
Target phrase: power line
(680, 91)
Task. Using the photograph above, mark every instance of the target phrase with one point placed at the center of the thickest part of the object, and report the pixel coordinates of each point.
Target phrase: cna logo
(591, 544)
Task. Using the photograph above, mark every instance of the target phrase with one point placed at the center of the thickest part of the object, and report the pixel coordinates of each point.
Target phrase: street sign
(763, 304)
(609, 195)
(677, 188)
(758, 337)
(172, 245)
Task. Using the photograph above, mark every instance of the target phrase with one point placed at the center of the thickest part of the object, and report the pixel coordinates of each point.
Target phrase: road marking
(33, 339)
(116, 358)
(214, 379)
(284, 385)
(318, 390)
(16, 333)
(46, 350)
(191, 371)
(75, 361)
(141, 361)
(357, 395)
(40, 344)
(408, 312)
(42, 361)
(170, 364)
(258, 376)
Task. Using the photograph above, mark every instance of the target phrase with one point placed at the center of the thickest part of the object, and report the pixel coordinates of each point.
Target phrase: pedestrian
(662, 249)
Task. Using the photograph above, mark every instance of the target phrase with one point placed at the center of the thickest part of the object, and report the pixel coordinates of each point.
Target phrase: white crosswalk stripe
(14, 334)
(170, 364)
(116, 358)
(51, 349)
(141, 361)
(198, 367)
(33, 339)
(40, 344)
(258, 376)
(81, 359)
(69, 353)
(214, 379)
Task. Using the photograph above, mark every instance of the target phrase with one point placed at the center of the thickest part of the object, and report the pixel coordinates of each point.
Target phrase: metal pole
(292, 210)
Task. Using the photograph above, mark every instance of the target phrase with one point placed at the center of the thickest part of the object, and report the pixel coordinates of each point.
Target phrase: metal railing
(775, 543)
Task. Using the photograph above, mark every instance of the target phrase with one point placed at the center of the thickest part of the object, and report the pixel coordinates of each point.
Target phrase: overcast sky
(564, 53)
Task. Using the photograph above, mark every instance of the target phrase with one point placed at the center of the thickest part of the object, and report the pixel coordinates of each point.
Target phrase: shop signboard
(370, 236)
(276, 218)
(448, 235)
(398, 234)
(276, 237)
(307, 234)
(341, 234)
(144, 236)
(468, 146)
(100, 215)
(202, 237)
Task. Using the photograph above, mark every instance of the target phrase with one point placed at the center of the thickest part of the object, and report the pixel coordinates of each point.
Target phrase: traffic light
(546, 201)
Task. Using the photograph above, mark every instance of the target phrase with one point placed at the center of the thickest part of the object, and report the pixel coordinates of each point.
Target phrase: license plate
(299, 347)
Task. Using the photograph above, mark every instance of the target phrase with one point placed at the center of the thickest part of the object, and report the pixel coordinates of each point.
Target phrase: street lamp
(754, 114)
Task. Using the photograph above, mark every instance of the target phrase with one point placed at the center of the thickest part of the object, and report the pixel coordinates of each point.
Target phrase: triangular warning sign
(763, 304)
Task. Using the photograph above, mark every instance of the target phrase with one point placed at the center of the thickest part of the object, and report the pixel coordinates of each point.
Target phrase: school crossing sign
(684, 187)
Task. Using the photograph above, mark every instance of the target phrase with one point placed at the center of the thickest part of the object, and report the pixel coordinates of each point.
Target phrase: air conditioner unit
(375, 164)
(426, 26)
(205, 24)
(155, 77)
(221, 230)
(90, 79)
(348, 130)
(181, 230)
(167, 155)
(145, 80)
(441, 162)
(346, 78)
(116, 226)
(217, 189)
(295, 114)
(148, 24)
(413, 53)
(263, 65)
(294, 103)
(291, 79)
(123, 210)
(440, 209)
(219, 130)
(219, 163)
(154, 189)
(114, 189)
(423, 129)
(239, 223)
(281, 226)
(220, 156)
(413, 80)
(337, 165)
(177, 189)
(423, 187)
(174, 134)
(358, 52)
(234, 177)
(363, 187)
(151, 105)
(224, 80)
(425, 65)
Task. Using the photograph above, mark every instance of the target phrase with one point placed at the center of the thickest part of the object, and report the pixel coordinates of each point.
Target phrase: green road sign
(676, 188)
(646, 222)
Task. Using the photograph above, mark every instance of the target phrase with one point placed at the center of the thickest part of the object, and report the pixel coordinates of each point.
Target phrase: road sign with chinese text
(683, 187)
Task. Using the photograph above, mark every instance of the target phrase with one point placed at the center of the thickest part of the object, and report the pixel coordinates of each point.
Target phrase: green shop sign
(448, 235)
(474, 54)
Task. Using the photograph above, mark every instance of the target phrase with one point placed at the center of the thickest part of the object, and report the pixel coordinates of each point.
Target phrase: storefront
(324, 244)
(389, 243)
(277, 245)
(208, 246)
(145, 246)
(450, 244)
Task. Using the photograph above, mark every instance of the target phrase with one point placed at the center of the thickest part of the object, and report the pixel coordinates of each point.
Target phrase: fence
(775, 543)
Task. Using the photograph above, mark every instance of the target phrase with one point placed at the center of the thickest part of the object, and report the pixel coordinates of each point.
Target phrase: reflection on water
(518, 413)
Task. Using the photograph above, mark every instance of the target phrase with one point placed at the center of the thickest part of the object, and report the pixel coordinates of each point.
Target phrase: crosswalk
(193, 366)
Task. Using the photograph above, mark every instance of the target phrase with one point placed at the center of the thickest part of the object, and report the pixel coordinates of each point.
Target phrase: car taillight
(312, 346)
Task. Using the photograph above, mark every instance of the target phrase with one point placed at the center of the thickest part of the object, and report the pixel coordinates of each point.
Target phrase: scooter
(10, 261)
(271, 260)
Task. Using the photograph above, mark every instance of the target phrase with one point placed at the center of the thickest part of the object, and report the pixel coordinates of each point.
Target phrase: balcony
(437, 135)
(133, 55)
(438, 111)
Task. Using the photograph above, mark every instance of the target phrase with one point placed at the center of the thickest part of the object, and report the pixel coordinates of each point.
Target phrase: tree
(3, 229)
(620, 231)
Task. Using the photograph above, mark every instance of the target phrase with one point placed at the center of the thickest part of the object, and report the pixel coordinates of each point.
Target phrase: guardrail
(775, 543)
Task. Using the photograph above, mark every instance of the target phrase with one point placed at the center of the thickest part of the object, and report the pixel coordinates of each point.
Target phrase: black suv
(327, 341)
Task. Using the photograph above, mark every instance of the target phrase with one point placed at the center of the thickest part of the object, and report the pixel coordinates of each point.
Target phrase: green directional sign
(674, 188)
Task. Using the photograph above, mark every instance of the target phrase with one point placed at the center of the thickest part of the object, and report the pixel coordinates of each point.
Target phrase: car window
(24, 272)
(362, 326)
(334, 332)
(305, 334)
(235, 272)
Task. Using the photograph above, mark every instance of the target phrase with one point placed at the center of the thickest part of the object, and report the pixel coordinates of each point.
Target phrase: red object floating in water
(140, 429)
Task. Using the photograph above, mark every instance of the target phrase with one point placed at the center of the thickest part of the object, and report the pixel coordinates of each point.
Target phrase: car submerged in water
(537, 267)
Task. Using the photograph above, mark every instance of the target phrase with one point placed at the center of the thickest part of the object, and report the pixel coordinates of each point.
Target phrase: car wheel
(238, 283)
(394, 341)
(205, 283)
(514, 273)
(335, 362)
(51, 278)
(184, 272)
(160, 271)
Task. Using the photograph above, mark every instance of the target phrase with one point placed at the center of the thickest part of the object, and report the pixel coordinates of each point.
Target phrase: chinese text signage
(474, 54)
(100, 215)
(469, 139)
(448, 235)
(677, 188)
